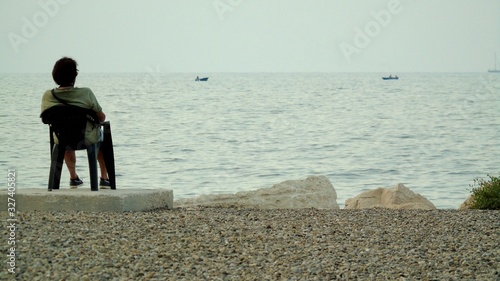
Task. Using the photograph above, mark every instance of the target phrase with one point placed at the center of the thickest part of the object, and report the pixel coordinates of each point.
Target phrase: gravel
(211, 243)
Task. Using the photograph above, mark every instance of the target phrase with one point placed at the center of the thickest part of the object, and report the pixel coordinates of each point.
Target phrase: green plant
(486, 193)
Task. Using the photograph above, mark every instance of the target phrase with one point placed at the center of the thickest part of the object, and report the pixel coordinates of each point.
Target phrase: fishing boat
(495, 70)
(201, 79)
(390, 77)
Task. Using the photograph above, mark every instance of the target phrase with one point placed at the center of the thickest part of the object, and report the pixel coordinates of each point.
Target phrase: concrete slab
(120, 200)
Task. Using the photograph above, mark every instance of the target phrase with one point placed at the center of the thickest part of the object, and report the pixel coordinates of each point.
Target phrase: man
(64, 74)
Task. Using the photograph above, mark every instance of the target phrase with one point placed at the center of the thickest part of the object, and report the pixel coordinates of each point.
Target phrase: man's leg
(70, 159)
(102, 166)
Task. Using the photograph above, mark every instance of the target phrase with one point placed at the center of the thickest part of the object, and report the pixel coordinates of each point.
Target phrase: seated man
(64, 74)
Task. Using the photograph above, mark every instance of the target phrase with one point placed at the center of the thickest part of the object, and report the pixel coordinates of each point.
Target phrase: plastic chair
(108, 153)
(68, 123)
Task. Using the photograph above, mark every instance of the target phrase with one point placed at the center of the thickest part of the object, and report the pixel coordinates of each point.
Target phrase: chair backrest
(69, 124)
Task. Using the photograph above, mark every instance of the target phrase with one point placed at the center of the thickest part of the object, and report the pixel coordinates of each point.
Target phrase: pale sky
(204, 36)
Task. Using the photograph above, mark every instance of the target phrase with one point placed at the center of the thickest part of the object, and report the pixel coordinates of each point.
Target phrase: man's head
(65, 72)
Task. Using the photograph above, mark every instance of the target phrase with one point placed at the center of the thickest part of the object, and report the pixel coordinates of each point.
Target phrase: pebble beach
(214, 243)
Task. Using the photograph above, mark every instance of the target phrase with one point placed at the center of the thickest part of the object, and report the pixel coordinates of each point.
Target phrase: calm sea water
(433, 132)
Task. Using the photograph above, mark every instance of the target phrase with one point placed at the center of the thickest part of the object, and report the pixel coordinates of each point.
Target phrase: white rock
(467, 204)
(313, 192)
(398, 197)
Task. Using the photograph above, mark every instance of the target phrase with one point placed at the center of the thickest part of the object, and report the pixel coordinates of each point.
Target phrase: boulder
(467, 204)
(312, 192)
(398, 197)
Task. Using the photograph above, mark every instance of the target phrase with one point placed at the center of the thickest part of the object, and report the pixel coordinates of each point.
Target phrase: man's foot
(104, 184)
(75, 183)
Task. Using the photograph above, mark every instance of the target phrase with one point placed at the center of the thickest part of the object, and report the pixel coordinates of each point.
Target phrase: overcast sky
(205, 36)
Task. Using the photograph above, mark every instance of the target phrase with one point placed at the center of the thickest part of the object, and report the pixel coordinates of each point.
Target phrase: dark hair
(65, 72)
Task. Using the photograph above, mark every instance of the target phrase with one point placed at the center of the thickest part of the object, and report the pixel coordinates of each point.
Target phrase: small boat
(201, 79)
(495, 70)
(391, 77)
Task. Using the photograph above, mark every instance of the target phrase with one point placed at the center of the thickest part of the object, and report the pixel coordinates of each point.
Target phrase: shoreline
(200, 243)
(176, 199)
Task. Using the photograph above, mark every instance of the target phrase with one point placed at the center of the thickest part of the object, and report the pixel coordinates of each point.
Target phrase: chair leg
(56, 163)
(108, 154)
(51, 137)
(109, 161)
(92, 158)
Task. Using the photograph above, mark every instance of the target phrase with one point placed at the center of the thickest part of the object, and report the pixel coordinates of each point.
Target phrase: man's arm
(101, 116)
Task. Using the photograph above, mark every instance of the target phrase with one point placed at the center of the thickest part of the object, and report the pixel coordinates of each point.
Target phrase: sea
(434, 132)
